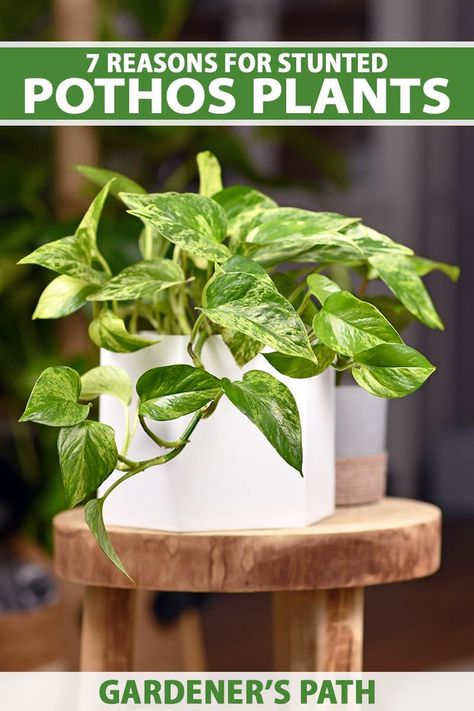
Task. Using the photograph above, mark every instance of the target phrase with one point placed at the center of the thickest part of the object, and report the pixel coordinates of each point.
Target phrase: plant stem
(157, 461)
(194, 356)
(103, 263)
(363, 287)
(304, 303)
(158, 440)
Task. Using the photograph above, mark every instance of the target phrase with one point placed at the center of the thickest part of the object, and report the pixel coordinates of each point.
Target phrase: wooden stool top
(393, 540)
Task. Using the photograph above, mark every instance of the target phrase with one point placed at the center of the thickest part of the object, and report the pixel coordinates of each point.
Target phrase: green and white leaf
(63, 296)
(106, 380)
(348, 325)
(102, 176)
(321, 286)
(272, 408)
(87, 456)
(242, 205)
(392, 309)
(391, 370)
(399, 274)
(195, 223)
(251, 304)
(294, 367)
(425, 266)
(172, 391)
(109, 331)
(243, 348)
(287, 234)
(86, 233)
(54, 399)
(93, 515)
(142, 280)
(372, 242)
(66, 256)
(210, 174)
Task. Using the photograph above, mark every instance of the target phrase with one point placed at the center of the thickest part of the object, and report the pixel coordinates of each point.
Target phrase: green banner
(222, 83)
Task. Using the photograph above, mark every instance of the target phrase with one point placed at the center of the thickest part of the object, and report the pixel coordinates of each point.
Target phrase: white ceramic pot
(228, 476)
(361, 458)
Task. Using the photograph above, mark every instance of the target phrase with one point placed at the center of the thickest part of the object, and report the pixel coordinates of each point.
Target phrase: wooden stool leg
(107, 629)
(318, 630)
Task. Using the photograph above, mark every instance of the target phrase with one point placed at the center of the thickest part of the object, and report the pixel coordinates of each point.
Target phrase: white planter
(228, 476)
(361, 433)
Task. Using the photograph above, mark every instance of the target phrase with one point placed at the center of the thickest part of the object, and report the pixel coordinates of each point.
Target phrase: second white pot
(361, 433)
(229, 476)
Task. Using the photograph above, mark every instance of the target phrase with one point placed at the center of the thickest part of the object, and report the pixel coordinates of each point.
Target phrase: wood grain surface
(394, 539)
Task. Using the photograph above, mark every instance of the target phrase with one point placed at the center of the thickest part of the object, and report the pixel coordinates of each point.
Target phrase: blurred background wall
(414, 183)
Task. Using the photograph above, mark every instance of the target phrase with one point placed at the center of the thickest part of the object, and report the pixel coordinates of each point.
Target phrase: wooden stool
(317, 575)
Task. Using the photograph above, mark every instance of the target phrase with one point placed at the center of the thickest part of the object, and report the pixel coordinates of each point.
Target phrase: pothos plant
(226, 261)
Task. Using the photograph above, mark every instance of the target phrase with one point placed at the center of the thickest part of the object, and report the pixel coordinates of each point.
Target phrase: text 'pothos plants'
(226, 261)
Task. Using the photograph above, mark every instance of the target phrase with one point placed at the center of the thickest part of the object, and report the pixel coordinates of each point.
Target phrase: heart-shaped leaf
(172, 391)
(348, 325)
(87, 455)
(294, 367)
(250, 304)
(321, 286)
(54, 399)
(272, 408)
(210, 177)
(106, 380)
(109, 331)
(66, 256)
(102, 176)
(399, 274)
(195, 223)
(63, 296)
(141, 281)
(93, 515)
(391, 370)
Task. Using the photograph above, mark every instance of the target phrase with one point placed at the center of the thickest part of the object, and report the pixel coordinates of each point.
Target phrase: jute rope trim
(361, 480)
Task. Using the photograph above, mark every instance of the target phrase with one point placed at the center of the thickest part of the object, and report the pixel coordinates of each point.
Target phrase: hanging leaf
(399, 274)
(102, 176)
(109, 331)
(63, 296)
(93, 515)
(54, 399)
(250, 304)
(142, 280)
(106, 380)
(391, 370)
(172, 391)
(348, 325)
(195, 223)
(87, 456)
(272, 408)
(66, 256)
(210, 177)
(294, 367)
